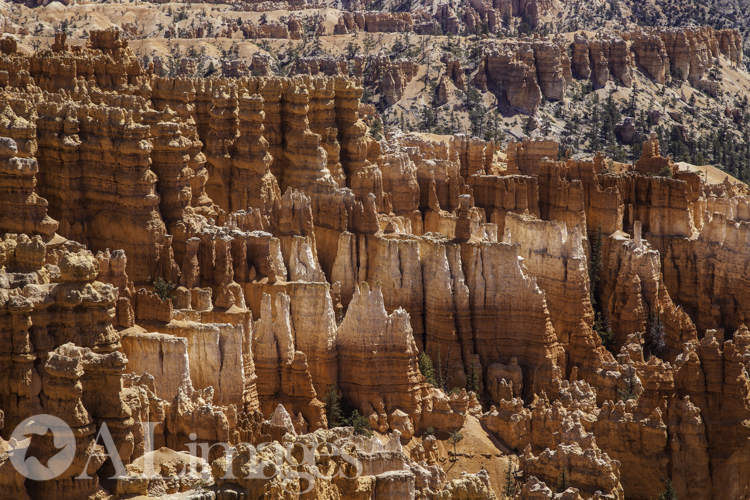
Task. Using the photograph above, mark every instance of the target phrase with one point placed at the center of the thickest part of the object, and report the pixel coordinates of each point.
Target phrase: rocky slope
(500, 71)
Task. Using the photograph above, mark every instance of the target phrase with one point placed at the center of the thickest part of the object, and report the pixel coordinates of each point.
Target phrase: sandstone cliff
(377, 254)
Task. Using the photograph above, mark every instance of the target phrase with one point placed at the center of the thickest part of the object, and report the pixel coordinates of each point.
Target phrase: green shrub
(163, 289)
(332, 401)
(360, 423)
(665, 172)
(427, 369)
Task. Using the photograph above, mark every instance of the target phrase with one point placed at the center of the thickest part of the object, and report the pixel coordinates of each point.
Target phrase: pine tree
(641, 127)
(360, 423)
(610, 117)
(427, 369)
(546, 125)
(439, 377)
(601, 326)
(368, 43)
(669, 492)
(472, 381)
(352, 50)
(594, 141)
(529, 125)
(655, 343)
(633, 105)
(446, 376)
(477, 111)
(510, 481)
(628, 392)
(563, 480)
(595, 264)
(332, 401)
(570, 133)
(454, 439)
(317, 47)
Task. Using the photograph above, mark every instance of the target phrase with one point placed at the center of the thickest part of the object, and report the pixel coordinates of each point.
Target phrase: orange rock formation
(375, 253)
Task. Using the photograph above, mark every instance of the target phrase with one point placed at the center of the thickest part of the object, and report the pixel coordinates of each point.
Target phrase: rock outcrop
(391, 76)
(512, 70)
(604, 316)
(555, 255)
(527, 69)
(368, 334)
(22, 210)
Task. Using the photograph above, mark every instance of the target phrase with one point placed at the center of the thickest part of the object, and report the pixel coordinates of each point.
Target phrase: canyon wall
(258, 250)
(524, 70)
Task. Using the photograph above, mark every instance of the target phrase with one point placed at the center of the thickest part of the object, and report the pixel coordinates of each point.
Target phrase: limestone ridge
(526, 69)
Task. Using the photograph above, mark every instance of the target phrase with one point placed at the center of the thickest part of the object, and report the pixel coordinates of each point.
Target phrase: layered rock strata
(376, 253)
